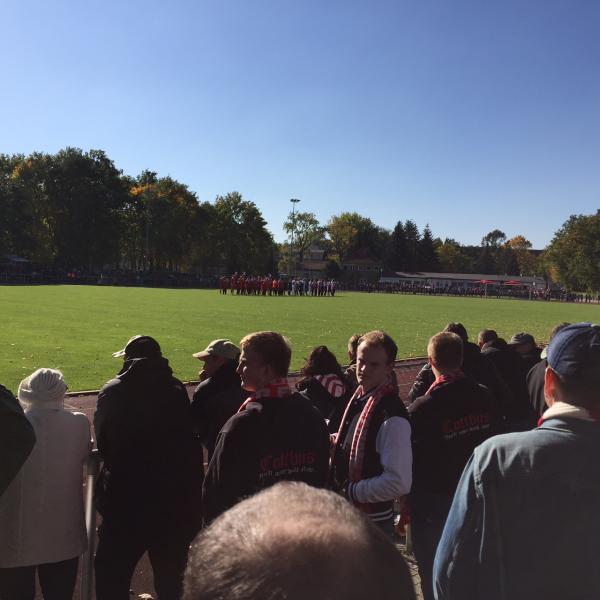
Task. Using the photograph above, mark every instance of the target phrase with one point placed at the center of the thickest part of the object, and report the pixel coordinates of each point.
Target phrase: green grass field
(76, 328)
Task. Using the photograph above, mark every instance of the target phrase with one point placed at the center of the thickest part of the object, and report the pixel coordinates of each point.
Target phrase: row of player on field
(478, 481)
(273, 286)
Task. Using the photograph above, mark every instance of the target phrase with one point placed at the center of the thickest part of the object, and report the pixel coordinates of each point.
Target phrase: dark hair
(273, 349)
(295, 542)
(459, 329)
(487, 335)
(380, 338)
(321, 361)
(446, 350)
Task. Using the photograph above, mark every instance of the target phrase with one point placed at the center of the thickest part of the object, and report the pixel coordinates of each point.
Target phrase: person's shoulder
(393, 406)
(420, 404)
(112, 385)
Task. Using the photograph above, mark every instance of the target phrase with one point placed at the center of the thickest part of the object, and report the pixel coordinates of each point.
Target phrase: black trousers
(121, 544)
(57, 581)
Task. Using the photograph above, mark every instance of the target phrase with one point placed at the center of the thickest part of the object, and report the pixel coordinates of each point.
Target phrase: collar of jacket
(562, 410)
(133, 366)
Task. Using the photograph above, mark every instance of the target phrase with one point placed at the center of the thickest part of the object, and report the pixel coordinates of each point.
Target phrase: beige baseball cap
(223, 348)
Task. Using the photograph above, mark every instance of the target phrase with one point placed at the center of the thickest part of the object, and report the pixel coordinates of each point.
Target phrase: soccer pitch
(76, 328)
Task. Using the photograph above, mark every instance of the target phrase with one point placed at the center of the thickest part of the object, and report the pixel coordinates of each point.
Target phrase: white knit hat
(44, 388)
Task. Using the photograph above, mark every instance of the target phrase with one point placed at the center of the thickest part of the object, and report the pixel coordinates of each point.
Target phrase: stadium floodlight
(294, 201)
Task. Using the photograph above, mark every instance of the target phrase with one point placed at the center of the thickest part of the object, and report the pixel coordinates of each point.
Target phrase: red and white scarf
(359, 440)
(333, 384)
(277, 388)
(442, 379)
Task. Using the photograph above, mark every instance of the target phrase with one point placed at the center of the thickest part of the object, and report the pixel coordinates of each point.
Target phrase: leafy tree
(573, 256)
(306, 229)
(342, 234)
(521, 249)
(241, 235)
(453, 258)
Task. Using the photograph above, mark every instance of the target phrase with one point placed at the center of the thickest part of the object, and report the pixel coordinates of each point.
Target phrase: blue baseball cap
(575, 348)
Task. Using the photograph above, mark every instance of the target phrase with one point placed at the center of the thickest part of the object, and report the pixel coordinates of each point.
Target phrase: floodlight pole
(294, 201)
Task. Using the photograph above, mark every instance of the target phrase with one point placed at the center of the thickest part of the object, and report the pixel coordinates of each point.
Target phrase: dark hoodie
(152, 459)
(215, 400)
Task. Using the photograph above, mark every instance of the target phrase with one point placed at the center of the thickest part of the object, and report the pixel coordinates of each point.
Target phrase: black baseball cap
(139, 346)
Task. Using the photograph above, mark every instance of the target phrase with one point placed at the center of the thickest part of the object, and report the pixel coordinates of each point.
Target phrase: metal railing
(87, 574)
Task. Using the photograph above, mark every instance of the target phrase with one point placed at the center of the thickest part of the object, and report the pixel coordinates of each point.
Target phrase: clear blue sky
(466, 114)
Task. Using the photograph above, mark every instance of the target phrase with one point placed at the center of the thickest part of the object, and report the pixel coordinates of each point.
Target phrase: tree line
(77, 210)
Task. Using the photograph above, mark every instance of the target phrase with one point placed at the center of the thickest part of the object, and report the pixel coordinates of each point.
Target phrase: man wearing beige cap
(219, 394)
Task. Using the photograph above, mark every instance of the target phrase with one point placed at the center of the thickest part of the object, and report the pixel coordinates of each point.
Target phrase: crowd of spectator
(493, 456)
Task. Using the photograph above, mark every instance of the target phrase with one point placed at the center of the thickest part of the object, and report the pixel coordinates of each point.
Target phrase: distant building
(461, 280)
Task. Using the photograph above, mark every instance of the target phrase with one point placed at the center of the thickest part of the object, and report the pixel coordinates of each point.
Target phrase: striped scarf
(333, 384)
(278, 388)
(359, 440)
(442, 379)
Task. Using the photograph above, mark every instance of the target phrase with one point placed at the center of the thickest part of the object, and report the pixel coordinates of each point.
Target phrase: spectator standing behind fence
(219, 395)
(524, 520)
(517, 414)
(474, 364)
(372, 458)
(325, 386)
(455, 415)
(42, 525)
(149, 487)
(276, 435)
(16, 438)
(295, 542)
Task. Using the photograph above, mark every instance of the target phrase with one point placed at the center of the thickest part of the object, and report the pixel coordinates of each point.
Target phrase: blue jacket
(525, 519)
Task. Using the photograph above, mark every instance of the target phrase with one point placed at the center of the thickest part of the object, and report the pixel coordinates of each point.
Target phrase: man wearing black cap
(524, 521)
(149, 488)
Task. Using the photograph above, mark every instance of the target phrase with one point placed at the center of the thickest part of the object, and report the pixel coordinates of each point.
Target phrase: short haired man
(150, 484)
(476, 365)
(372, 456)
(276, 435)
(219, 395)
(296, 542)
(455, 415)
(524, 521)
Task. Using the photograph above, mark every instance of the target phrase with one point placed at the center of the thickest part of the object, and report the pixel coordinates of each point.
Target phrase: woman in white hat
(42, 525)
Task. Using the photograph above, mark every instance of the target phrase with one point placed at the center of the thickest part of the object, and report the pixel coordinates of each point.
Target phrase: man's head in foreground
(265, 356)
(573, 372)
(295, 542)
(375, 359)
